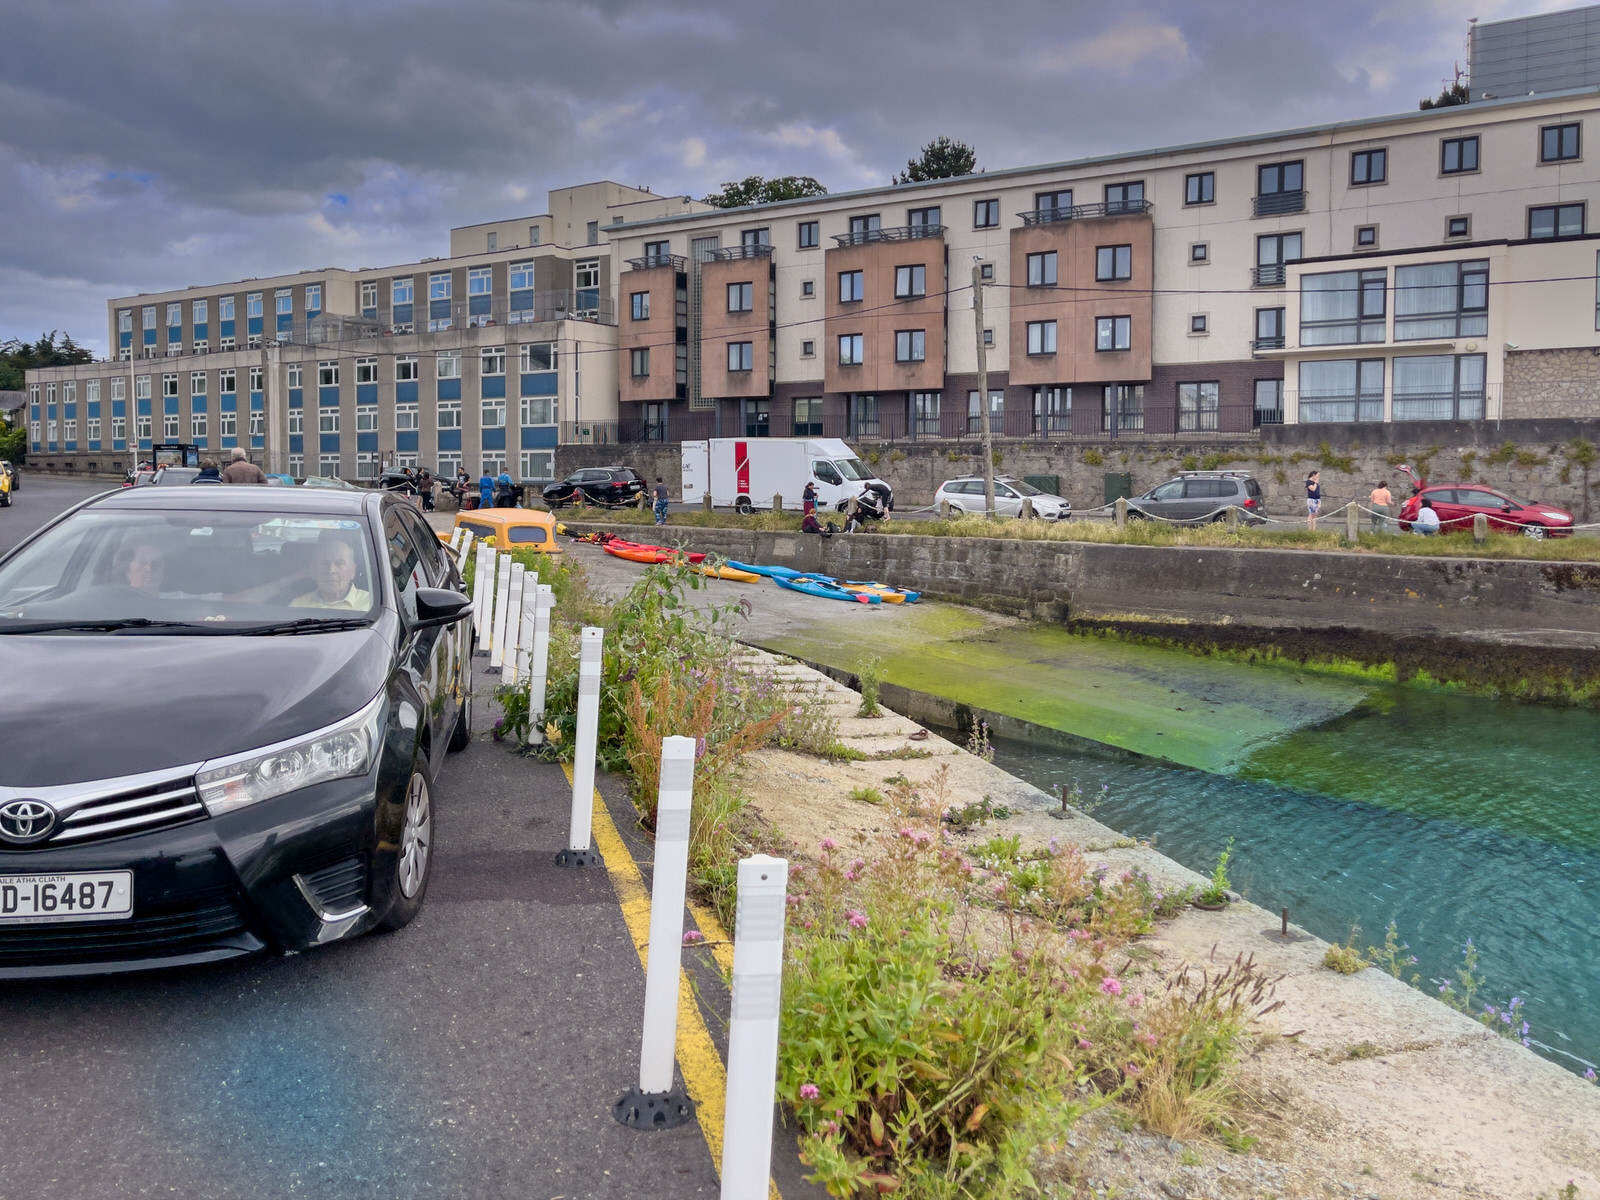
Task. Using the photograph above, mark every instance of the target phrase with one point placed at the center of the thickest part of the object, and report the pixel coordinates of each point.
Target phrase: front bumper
(286, 874)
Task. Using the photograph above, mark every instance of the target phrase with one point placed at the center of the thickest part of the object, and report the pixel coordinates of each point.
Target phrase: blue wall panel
(494, 439)
(539, 383)
(406, 442)
(329, 443)
(494, 387)
(328, 397)
(539, 437)
(367, 441)
(366, 393)
(449, 389)
(449, 439)
(405, 392)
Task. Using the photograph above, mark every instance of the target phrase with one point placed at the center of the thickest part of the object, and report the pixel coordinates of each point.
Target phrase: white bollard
(508, 657)
(539, 661)
(466, 544)
(578, 853)
(654, 1104)
(753, 1029)
(483, 596)
(502, 602)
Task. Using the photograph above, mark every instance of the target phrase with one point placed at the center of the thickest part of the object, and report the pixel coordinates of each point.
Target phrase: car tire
(743, 507)
(1536, 532)
(461, 735)
(412, 865)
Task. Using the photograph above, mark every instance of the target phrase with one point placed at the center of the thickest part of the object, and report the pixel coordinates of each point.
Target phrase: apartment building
(1432, 265)
(486, 359)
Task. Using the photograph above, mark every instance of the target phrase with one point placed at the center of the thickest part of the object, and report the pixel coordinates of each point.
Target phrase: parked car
(142, 477)
(1458, 503)
(1195, 497)
(11, 469)
(610, 487)
(332, 484)
(280, 795)
(523, 528)
(175, 476)
(966, 494)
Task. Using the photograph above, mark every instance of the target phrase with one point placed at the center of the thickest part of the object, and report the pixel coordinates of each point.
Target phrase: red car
(1458, 503)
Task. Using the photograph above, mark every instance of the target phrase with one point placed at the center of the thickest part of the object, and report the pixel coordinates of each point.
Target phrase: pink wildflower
(693, 935)
(906, 831)
(1148, 1038)
(1111, 985)
(1131, 1070)
(1084, 1043)
(792, 899)
(850, 875)
(809, 1091)
(856, 918)
(829, 844)
(1135, 1000)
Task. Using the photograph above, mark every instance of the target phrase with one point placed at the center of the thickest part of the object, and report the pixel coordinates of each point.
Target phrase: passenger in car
(333, 567)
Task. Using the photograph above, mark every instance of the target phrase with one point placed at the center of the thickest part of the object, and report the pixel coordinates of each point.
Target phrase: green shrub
(869, 674)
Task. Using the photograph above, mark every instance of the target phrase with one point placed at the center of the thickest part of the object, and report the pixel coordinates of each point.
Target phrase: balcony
(732, 253)
(898, 233)
(650, 261)
(1270, 275)
(1277, 204)
(1267, 343)
(1081, 212)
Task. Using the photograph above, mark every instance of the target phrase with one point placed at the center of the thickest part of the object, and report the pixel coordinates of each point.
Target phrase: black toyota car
(226, 711)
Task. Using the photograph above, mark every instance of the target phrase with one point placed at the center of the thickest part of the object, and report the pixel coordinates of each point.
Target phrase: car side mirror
(440, 606)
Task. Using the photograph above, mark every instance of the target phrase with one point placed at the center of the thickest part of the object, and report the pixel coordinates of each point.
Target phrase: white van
(745, 473)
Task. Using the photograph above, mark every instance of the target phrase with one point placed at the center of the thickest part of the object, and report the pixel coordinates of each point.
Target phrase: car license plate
(41, 899)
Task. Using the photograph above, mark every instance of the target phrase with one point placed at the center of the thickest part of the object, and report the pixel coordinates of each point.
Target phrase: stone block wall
(1544, 383)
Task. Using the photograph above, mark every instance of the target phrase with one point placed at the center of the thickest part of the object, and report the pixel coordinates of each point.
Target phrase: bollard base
(653, 1110)
(578, 858)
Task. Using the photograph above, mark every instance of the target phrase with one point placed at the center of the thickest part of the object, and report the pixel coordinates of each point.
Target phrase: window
(297, 420)
(449, 414)
(119, 428)
(755, 237)
(405, 369)
(366, 370)
(1342, 307)
(639, 306)
(1280, 188)
(1273, 250)
(538, 410)
(1113, 333)
(142, 427)
(538, 356)
(1559, 143)
(1366, 237)
(1441, 300)
(369, 298)
(405, 418)
(850, 350)
(1556, 221)
(866, 224)
(119, 389)
(169, 385)
(910, 346)
(228, 423)
(1458, 156)
(741, 297)
(1200, 188)
(197, 383)
(988, 337)
(1199, 323)
(492, 360)
(197, 311)
(447, 364)
(808, 348)
(808, 235)
(1042, 269)
(592, 233)
(536, 464)
(923, 218)
(640, 360)
(1113, 263)
(175, 314)
(169, 426)
(808, 288)
(534, 235)
(1341, 390)
(227, 381)
(328, 373)
(494, 412)
(439, 286)
(1442, 387)
(69, 430)
(1125, 197)
(1368, 166)
(911, 282)
(850, 286)
(328, 420)
(1199, 252)
(1458, 227)
(986, 214)
(586, 273)
(741, 356)
(328, 466)
(91, 391)
(986, 272)
(125, 320)
(283, 301)
(255, 377)
(141, 387)
(521, 276)
(401, 290)
(366, 418)
(313, 297)
(94, 429)
(1041, 337)
(997, 411)
(1597, 291)
(808, 417)
(1197, 407)
(1053, 204)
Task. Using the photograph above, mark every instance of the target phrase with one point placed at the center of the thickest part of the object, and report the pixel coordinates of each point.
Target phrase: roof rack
(1214, 475)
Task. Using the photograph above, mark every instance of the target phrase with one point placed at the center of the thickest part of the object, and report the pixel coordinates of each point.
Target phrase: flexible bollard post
(753, 1029)
(508, 658)
(502, 603)
(539, 662)
(483, 596)
(1119, 513)
(655, 1103)
(578, 852)
(1480, 528)
(1352, 522)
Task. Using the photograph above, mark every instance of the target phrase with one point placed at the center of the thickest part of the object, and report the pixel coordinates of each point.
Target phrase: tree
(1454, 93)
(754, 189)
(942, 158)
(19, 357)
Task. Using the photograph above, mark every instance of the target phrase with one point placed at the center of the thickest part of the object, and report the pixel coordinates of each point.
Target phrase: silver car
(1198, 496)
(966, 494)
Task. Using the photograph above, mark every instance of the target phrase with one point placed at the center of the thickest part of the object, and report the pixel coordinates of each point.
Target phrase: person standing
(242, 470)
(505, 494)
(1382, 498)
(808, 498)
(208, 472)
(1313, 498)
(661, 501)
(463, 487)
(486, 488)
(425, 489)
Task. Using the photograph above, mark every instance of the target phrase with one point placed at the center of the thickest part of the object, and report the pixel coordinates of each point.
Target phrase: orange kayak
(642, 553)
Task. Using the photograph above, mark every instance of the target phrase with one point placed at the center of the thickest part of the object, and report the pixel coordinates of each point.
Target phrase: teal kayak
(774, 572)
(814, 585)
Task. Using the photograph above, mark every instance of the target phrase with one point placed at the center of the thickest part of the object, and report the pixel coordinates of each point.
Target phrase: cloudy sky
(150, 144)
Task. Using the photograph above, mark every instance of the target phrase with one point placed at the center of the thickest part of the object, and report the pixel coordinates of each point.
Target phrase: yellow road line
(703, 1072)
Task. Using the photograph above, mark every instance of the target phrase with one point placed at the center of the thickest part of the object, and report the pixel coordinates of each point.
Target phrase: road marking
(703, 1072)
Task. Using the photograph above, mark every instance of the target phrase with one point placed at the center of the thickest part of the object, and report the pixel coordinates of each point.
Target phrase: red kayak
(639, 552)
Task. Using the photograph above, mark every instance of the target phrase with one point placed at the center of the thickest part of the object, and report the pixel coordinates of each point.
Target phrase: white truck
(745, 473)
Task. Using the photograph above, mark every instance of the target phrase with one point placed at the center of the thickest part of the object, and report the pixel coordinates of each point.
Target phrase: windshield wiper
(307, 625)
(108, 626)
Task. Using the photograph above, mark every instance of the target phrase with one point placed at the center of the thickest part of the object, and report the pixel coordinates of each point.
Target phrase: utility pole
(983, 392)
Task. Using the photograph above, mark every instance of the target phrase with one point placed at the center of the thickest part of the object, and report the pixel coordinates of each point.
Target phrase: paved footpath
(476, 1053)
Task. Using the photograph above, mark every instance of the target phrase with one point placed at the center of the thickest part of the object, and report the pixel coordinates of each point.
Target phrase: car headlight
(338, 751)
(1559, 518)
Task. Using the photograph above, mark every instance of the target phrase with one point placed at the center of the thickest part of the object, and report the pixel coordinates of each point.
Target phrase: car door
(1450, 511)
(1201, 498)
(419, 654)
(452, 654)
(1476, 500)
(1165, 501)
(1006, 501)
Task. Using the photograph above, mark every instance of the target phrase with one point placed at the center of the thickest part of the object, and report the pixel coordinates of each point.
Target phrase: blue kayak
(814, 585)
(774, 572)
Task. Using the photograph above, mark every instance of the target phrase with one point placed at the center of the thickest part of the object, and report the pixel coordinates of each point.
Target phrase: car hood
(82, 707)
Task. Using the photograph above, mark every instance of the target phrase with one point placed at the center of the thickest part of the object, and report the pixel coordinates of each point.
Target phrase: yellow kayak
(732, 573)
(885, 593)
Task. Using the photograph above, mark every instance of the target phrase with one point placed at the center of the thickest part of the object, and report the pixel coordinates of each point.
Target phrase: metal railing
(730, 253)
(1275, 204)
(650, 261)
(1268, 343)
(897, 233)
(1271, 275)
(1079, 212)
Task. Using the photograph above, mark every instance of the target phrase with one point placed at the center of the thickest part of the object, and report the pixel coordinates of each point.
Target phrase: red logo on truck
(741, 468)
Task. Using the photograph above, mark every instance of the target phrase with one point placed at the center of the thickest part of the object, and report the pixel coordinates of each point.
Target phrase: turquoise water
(1452, 816)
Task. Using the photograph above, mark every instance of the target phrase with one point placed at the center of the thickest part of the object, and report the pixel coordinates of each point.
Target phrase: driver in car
(333, 567)
(141, 566)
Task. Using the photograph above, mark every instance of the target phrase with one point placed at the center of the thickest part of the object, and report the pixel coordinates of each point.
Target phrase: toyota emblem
(25, 821)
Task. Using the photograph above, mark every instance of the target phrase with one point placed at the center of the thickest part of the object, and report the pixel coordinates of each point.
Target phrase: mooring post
(1233, 516)
(1025, 513)
(1286, 922)
(543, 600)
(753, 1027)
(1352, 522)
(655, 1104)
(578, 853)
(705, 500)
(1119, 513)
(777, 502)
(1480, 528)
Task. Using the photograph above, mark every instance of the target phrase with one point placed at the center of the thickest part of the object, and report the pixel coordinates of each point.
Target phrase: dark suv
(1198, 496)
(611, 487)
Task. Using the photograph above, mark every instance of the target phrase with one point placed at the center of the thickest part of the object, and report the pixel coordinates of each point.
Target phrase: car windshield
(851, 468)
(1023, 489)
(201, 572)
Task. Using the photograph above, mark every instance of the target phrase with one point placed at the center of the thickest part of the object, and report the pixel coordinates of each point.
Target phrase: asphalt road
(475, 1053)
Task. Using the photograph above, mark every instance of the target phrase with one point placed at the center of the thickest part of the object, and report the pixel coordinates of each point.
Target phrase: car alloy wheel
(1536, 532)
(416, 837)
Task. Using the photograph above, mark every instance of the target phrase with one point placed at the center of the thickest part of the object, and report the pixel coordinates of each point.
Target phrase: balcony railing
(898, 233)
(1268, 343)
(650, 261)
(1080, 212)
(729, 253)
(1275, 204)
(1270, 275)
